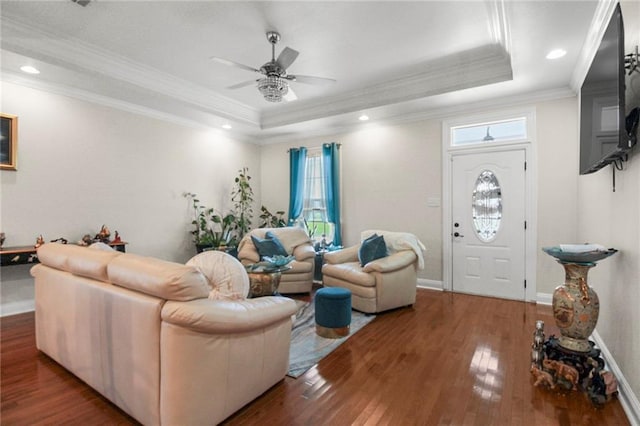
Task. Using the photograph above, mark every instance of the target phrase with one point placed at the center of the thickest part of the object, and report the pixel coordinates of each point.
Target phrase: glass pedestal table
(265, 282)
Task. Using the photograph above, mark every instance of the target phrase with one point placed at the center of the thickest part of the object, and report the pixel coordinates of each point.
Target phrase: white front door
(488, 223)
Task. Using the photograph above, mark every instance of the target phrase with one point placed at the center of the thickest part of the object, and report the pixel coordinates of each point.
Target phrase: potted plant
(201, 235)
(242, 197)
(223, 233)
(212, 230)
(271, 220)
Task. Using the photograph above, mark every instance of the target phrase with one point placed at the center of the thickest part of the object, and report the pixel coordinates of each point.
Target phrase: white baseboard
(544, 298)
(627, 398)
(19, 307)
(429, 284)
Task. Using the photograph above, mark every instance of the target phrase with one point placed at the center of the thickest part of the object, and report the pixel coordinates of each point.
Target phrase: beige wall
(613, 220)
(388, 173)
(81, 165)
(557, 148)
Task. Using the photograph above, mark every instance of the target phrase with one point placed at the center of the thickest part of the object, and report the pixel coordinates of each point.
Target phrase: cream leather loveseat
(143, 333)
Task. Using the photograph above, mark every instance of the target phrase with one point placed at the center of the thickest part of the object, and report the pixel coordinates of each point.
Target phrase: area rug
(307, 348)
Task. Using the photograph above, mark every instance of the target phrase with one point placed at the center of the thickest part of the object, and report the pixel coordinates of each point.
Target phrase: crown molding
(484, 65)
(75, 54)
(503, 102)
(604, 11)
(436, 112)
(472, 68)
(433, 113)
(499, 24)
(490, 64)
(84, 95)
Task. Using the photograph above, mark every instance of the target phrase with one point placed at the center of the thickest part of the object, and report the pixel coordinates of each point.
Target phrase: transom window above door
(511, 130)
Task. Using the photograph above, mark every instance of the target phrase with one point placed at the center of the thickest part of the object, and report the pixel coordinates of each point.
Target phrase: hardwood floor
(452, 359)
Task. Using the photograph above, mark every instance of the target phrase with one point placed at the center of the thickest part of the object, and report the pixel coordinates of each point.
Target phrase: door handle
(457, 234)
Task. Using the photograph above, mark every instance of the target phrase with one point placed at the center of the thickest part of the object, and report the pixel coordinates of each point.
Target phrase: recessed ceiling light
(226, 126)
(556, 54)
(29, 69)
(363, 117)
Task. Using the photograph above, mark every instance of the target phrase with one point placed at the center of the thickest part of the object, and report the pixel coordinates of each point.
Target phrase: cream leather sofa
(382, 284)
(143, 333)
(299, 279)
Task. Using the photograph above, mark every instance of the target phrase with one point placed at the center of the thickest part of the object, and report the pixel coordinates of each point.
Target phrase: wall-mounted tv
(609, 103)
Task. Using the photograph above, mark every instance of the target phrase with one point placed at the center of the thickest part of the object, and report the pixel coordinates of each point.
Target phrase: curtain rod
(337, 144)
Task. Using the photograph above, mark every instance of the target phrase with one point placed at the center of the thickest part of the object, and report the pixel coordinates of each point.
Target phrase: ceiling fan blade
(234, 64)
(243, 84)
(307, 79)
(286, 57)
(290, 96)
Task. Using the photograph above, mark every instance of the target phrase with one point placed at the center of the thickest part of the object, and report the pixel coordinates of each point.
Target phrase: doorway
(488, 215)
(495, 253)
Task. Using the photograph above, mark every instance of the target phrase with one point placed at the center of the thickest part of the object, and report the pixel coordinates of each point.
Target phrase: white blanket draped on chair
(397, 241)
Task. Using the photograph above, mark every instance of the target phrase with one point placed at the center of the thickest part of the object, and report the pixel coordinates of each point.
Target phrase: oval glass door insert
(486, 207)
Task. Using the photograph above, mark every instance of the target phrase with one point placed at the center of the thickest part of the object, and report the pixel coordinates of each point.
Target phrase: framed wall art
(8, 141)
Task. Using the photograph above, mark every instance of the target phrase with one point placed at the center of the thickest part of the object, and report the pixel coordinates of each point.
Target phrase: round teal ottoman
(333, 312)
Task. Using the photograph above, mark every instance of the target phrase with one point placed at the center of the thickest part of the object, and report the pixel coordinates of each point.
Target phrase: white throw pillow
(227, 277)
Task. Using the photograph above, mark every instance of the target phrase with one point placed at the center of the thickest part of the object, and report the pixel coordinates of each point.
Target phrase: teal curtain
(331, 163)
(297, 161)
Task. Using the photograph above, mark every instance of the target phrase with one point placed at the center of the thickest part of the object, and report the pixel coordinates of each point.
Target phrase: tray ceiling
(389, 59)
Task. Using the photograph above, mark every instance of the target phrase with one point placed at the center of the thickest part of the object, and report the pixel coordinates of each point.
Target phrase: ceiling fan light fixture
(273, 88)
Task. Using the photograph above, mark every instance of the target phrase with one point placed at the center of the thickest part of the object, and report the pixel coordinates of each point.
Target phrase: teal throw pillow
(269, 246)
(372, 248)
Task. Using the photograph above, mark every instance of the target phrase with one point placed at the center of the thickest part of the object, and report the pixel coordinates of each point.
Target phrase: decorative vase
(575, 304)
(575, 308)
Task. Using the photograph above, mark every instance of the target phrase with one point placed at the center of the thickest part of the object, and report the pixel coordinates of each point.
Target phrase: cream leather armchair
(299, 279)
(382, 284)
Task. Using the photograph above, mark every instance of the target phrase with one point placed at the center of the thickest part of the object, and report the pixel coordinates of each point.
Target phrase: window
(489, 132)
(314, 210)
(486, 206)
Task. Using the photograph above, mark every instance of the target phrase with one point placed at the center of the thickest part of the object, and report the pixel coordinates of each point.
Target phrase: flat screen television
(609, 101)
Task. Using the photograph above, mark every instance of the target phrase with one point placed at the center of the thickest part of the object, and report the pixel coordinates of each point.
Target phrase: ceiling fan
(274, 85)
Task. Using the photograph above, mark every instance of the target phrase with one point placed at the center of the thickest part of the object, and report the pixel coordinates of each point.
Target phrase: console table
(22, 255)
